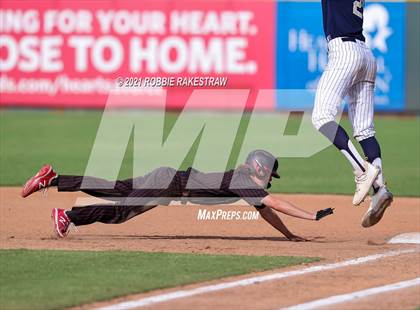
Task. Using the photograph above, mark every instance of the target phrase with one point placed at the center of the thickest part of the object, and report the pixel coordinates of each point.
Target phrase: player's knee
(318, 120)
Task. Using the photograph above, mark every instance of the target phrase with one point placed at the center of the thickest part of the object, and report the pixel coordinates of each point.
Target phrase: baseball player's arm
(290, 209)
(287, 208)
(273, 219)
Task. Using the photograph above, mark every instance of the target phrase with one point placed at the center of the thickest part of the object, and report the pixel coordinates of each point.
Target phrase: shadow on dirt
(191, 237)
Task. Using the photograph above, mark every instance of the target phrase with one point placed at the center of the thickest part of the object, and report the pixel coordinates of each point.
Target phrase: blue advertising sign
(301, 52)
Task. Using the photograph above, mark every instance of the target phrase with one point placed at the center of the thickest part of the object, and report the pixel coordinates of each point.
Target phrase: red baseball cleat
(40, 180)
(61, 222)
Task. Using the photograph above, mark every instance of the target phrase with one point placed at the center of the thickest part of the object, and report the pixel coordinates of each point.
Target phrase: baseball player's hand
(295, 238)
(322, 213)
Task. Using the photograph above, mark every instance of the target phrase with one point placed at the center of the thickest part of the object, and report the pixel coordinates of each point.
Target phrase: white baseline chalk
(324, 302)
(147, 301)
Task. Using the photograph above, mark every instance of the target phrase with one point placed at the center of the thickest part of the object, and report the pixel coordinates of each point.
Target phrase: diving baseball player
(136, 196)
(351, 71)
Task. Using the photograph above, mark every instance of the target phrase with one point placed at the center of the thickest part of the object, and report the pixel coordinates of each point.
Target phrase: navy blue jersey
(343, 18)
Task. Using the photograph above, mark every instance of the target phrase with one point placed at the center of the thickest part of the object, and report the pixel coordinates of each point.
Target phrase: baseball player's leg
(364, 132)
(333, 87)
(361, 114)
(93, 186)
(136, 201)
(361, 118)
(329, 96)
(47, 177)
(337, 79)
(108, 214)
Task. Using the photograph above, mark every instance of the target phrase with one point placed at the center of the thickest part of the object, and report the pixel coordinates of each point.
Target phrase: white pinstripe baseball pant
(351, 71)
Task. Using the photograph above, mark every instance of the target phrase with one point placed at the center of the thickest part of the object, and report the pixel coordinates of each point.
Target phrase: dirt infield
(25, 223)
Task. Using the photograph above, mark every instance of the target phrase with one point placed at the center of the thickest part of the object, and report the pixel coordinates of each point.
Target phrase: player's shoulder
(241, 178)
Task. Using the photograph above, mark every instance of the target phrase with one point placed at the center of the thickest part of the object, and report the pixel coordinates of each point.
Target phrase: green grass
(65, 139)
(34, 279)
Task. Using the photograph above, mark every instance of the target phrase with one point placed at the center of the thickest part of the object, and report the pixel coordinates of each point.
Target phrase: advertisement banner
(302, 51)
(71, 53)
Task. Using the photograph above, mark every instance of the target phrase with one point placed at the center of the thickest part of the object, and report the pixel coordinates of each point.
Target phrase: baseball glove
(322, 213)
